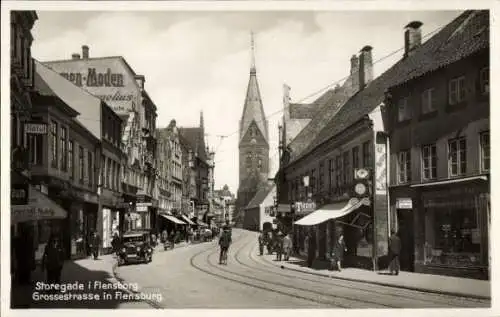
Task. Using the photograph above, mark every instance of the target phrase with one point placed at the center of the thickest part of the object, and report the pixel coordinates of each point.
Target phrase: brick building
(438, 125)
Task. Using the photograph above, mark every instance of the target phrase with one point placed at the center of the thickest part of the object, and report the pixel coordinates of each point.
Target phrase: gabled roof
(253, 110)
(260, 196)
(195, 139)
(327, 106)
(440, 50)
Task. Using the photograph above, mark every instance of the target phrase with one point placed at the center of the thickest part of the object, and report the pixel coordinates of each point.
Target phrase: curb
(114, 265)
(420, 289)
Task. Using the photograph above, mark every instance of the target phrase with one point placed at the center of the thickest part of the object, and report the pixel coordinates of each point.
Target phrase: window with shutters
(456, 90)
(429, 162)
(457, 156)
(404, 167)
(427, 100)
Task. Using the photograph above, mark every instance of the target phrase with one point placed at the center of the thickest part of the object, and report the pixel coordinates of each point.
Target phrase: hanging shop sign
(380, 169)
(305, 207)
(404, 203)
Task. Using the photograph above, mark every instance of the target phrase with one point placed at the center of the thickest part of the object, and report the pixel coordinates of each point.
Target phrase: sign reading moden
(93, 78)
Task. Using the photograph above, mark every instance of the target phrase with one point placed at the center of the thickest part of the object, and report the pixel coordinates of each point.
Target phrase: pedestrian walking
(261, 243)
(394, 251)
(164, 236)
(338, 253)
(53, 259)
(278, 245)
(95, 243)
(115, 243)
(311, 248)
(287, 247)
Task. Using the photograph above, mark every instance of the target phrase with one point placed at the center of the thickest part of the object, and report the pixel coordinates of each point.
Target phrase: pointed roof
(253, 110)
(260, 196)
(442, 49)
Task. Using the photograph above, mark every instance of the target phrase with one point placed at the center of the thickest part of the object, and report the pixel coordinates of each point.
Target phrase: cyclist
(224, 243)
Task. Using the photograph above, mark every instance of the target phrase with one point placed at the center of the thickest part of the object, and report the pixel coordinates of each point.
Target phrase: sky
(200, 61)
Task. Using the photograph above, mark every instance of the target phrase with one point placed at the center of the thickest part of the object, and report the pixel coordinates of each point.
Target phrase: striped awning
(332, 211)
(186, 219)
(173, 219)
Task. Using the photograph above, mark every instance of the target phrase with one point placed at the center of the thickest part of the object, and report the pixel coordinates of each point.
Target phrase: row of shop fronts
(423, 163)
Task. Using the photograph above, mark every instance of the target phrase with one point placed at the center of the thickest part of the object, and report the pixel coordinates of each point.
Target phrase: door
(406, 234)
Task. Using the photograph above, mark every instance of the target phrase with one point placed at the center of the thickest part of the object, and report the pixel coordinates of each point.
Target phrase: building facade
(439, 130)
(259, 213)
(253, 142)
(113, 80)
(65, 162)
(193, 139)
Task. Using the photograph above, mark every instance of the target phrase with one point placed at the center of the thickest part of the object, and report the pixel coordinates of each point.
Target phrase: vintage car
(135, 247)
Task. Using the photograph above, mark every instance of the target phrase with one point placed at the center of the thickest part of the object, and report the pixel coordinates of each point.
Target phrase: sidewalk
(446, 285)
(81, 271)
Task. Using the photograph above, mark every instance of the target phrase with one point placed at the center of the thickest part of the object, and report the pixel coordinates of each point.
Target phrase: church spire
(252, 45)
(253, 110)
(201, 120)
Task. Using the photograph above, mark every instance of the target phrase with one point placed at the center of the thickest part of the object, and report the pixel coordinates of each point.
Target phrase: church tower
(253, 140)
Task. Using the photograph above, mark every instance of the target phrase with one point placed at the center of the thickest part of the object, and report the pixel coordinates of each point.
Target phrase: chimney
(354, 78)
(75, 56)
(85, 51)
(365, 67)
(140, 81)
(413, 36)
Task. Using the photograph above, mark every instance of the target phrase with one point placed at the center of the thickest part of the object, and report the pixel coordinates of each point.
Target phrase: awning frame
(173, 219)
(350, 206)
(451, 181)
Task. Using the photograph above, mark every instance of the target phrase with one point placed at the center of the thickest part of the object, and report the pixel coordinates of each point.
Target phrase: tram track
(323, 298)
(266, 266)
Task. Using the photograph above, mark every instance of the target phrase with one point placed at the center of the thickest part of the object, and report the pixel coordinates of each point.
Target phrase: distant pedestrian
(338, 253)
(394, 251)
(311, 248)
(261, 243)
(53, 259)
(164, 236)
(115, 243)
(287, 247)
(95, 243)
(278, 246)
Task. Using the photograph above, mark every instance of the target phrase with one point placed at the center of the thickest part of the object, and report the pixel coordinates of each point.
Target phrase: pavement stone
(446, 285)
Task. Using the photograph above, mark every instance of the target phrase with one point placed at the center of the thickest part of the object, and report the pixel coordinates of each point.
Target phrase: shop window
(428, 104)
(35, 147)
(63, 150)
(429, 162)
(456, 90)
(404, 167)
(71, 159)
(366, 154)
(321, 176)
(90, 167)
(453, 236)
(355, 157)
(484, 80)
(457, 160)
(485, 151)
(331, 175)
(81, 163)
(404, 111)
(347, 170)
(53, 143)
(338, 171)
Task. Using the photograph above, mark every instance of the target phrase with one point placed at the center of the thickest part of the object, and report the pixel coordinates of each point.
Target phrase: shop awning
(332, 211)
(39, 207)
(451, 181)
(173, 219)
(186, 219)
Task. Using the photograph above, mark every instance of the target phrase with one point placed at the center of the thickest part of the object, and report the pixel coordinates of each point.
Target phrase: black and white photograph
(243, 159)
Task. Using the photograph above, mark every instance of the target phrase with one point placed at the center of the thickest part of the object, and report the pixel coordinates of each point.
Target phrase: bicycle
(223, 256)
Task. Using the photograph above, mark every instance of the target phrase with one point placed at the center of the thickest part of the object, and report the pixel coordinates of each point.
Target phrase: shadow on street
(24, 296)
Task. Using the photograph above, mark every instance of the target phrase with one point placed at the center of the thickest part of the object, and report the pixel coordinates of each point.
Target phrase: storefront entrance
(406, 234)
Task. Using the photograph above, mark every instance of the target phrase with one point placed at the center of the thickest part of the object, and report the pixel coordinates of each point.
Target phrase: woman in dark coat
(338, 252)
